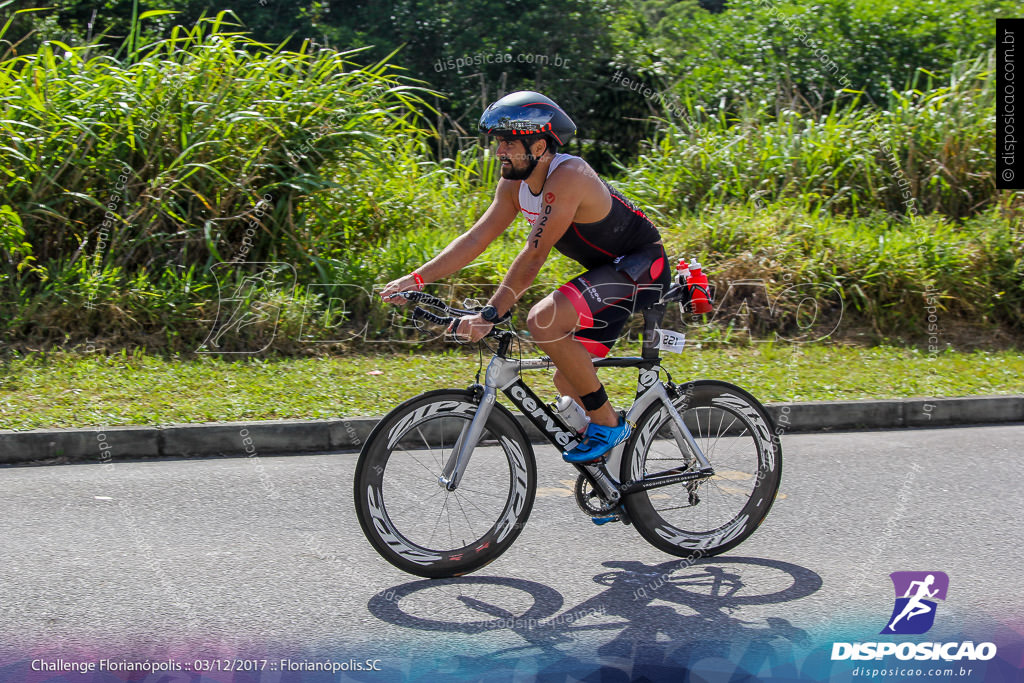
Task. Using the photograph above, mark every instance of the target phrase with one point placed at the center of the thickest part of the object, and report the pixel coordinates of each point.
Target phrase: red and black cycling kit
(626, 265)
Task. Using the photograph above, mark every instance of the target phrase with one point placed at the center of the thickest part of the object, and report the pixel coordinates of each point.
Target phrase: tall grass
(120, 171)
(131, 187)
(929, 151)
(876, 271)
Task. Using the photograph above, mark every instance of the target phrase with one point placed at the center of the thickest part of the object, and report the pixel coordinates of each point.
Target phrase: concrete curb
(278, 437)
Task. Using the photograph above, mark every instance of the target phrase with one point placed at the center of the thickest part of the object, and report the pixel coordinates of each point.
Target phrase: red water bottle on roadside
(698, 284)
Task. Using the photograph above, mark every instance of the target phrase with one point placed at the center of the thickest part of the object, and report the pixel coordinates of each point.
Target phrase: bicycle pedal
(600, 521)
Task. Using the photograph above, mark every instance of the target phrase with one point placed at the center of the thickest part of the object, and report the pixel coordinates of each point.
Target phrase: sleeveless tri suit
(627, 267)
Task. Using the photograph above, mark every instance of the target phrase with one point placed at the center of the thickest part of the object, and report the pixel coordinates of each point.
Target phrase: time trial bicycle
(446, 481)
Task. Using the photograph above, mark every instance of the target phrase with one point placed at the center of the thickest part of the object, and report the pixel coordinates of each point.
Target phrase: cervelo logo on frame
(912, 614)
(914, 610)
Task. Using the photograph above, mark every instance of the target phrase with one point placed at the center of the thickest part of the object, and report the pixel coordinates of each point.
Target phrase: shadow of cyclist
(666, 618)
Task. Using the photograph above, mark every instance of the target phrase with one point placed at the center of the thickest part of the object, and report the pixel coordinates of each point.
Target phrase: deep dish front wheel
(712, 515)
(418, 525)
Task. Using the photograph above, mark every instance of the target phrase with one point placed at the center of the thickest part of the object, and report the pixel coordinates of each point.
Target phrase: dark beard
(519, 174)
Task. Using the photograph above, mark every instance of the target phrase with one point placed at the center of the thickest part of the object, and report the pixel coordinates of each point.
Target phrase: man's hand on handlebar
(464, 325)
(470, 328)
(402, 284)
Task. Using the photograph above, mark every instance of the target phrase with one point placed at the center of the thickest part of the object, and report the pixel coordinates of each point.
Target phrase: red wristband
(419, 281)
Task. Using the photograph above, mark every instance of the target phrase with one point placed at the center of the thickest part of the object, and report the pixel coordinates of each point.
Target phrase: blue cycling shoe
(597, 441)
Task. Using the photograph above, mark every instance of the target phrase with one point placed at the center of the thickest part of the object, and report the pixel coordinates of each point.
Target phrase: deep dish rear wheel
(418, 525)
(710, 516)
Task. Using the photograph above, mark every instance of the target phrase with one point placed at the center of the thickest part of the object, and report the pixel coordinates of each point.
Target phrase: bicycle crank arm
(665, 478)
(602, 482)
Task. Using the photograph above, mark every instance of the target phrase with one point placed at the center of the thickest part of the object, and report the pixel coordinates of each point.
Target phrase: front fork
(455, 466)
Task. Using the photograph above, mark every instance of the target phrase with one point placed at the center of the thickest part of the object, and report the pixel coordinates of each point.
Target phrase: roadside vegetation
(72, 390)
(172, 183)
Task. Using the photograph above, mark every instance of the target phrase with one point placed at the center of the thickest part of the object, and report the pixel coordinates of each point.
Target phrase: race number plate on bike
(670, 341)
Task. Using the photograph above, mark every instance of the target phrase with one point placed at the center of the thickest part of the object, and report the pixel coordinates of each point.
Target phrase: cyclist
(572, 210)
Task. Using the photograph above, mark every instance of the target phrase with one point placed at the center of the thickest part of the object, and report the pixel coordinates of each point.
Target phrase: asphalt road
(224, 558)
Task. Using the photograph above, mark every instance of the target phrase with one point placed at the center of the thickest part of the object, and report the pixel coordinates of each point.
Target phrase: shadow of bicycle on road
(654, 620)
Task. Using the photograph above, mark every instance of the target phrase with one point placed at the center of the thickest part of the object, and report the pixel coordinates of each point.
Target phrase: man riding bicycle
(577, 213)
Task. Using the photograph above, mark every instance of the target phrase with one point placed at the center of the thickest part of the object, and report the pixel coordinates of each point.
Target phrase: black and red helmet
(527, 113)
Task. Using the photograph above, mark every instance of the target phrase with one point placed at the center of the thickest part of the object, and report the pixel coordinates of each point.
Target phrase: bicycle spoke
(678, 507)
(416, 460)
(470, 502)
(438, 520)
(468, 523)
(725, 491)
(443, 450)
(737, 440)
(418, 503)
(718, 436)
(448, 518)
(425, 443)
(480, 493)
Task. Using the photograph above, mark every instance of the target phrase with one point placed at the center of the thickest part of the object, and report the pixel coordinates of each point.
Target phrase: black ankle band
(595, 399)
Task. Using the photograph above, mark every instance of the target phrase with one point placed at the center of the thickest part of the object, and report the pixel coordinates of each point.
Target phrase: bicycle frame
(434, 527)
(504, 373)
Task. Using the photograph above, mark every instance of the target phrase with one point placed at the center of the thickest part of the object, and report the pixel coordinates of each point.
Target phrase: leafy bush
(135, 186)
(195, 150)
(796, 54)
(930, 151)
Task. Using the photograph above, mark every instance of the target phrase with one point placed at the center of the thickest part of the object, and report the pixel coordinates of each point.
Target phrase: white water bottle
(572, 413)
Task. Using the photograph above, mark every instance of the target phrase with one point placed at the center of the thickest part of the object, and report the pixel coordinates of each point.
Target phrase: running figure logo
(914, 611)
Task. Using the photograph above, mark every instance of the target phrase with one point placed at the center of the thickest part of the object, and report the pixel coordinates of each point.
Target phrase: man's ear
(538, 152)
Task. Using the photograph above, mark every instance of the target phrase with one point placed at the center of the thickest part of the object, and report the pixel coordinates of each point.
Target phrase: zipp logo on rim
(390, 536)
(460, 407)
(722, 536)
(518, 499)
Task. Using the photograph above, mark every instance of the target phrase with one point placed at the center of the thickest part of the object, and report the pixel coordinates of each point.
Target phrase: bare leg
(564, 387)
(552, 322)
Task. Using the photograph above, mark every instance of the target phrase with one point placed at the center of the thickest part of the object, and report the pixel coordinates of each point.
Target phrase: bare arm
(558, 208)
(562, 198)
(467, 246)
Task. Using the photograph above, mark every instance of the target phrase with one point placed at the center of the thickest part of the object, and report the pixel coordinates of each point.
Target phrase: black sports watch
(489, 313)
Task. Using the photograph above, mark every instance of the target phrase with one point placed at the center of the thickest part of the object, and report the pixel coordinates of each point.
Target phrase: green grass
(67, 390)
(121, 177)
